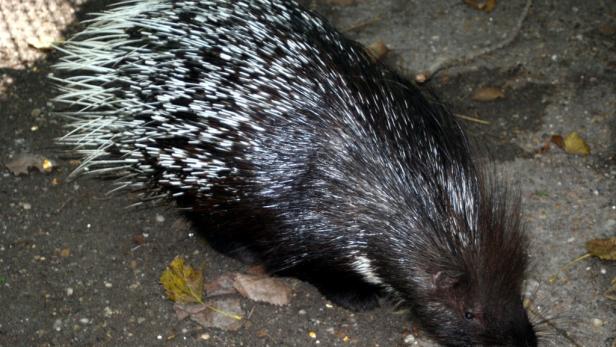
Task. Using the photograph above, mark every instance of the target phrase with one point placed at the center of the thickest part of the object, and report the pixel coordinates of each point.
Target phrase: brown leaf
(26, 161)
(558, 140)
(485, 94)
(575, 144)
(481, 5)
(223, 314)
(221, 286)
(259, 270)
(377, 50)
(263, 288)
(182, 282)
(138, 239)
(602, 248)
(421, 77)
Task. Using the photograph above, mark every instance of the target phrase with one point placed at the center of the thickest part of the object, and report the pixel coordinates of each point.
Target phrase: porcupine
(261, 112)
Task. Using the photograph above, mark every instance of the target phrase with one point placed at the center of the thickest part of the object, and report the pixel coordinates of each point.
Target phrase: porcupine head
(466, 292)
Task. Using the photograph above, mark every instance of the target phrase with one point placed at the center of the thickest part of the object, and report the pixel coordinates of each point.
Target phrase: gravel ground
(72, 274)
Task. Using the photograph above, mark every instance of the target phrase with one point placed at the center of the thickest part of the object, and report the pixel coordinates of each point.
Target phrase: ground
(73, 273)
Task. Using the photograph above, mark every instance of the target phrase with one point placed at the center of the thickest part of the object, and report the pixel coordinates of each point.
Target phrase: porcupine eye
(468, 315)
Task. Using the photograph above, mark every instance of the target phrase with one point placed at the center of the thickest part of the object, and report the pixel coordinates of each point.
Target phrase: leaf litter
(221, 308)
(23, 163)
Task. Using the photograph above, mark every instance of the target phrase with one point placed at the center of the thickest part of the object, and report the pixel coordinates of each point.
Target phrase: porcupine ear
(442, 281)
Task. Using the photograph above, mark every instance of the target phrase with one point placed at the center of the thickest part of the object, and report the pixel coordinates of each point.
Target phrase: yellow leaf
(602, 248)
(575, 144)
(182, 283)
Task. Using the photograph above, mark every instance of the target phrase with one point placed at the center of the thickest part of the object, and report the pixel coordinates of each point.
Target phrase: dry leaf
(221, 286)
(223, 314)
(421, 77)
(543, 149)
(481, 5)
(602, 248)
(259, 270)
(138, 239)
(558, 140)
(262, 333)
(484, 94)
(554, 139)
(263, 288)
(182, 283)
(26, 161)
(575, 144)
(378, 50)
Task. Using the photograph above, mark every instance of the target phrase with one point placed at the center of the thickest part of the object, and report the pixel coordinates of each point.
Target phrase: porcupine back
(260, 109)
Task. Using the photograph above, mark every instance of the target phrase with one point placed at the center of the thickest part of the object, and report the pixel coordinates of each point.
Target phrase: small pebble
(597, 322)
(57, 325)
(409, 339)
(108, 284)
(204, 337)
(84, 321)
(301, 312)
(69, 291)
(160, 218)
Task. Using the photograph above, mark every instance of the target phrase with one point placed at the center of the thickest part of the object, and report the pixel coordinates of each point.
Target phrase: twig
(472, 119)
(566, 267)
(64, 204)
(362, 24)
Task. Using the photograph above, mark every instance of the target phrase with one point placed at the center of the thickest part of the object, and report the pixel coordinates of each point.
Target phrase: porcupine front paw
(349, 291)
(356, 300)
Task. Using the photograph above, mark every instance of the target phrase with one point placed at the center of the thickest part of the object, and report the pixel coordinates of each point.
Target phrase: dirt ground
(71, 272)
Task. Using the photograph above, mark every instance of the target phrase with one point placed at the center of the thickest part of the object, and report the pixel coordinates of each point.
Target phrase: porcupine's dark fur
(259, 112)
